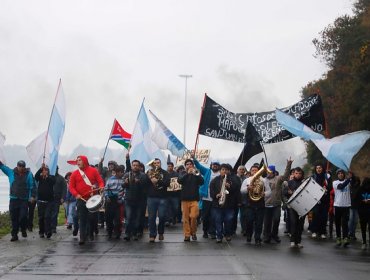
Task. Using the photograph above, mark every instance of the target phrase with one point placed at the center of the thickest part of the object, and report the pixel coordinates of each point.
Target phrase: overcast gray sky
(249, 56)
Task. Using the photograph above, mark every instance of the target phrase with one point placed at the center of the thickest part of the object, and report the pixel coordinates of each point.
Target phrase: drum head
(299, 190)
(93, 201)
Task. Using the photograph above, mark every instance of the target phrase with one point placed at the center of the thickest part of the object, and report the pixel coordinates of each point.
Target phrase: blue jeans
(223, 219)
(18, 209)
(156, 204)
(173, 204)
(133, 211)
(72, 217)
(352, 223)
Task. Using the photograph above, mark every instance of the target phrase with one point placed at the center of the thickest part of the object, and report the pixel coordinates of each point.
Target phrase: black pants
(87, 220)
(341, 221)
(45, 210)
(254, 217)
(112, 217)
(364, 215)
(320, 218)
(296, 226)
(18, 215)
(271, 222)
(31, 212)
(133, 211)
(207, 219)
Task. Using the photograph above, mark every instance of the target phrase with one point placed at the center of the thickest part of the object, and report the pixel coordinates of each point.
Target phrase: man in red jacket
(84, 183)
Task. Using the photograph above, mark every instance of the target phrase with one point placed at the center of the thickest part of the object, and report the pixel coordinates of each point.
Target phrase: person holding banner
(84, 183)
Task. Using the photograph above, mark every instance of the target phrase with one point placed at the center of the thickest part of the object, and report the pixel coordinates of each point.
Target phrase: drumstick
(83, 199)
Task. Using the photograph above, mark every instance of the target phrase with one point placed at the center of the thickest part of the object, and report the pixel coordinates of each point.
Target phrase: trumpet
(194, 171)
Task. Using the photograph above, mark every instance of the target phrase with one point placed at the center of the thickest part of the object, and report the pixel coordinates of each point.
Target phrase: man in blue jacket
(22, 190)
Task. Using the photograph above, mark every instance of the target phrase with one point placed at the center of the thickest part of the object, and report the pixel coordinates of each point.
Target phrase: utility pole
(186, 76)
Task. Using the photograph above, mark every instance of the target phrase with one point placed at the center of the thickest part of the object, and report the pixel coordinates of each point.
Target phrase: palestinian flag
(120, 135)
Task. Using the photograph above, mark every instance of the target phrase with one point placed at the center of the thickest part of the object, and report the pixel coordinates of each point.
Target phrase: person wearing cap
(342, 204)
(190, 180)
(45, 200)
(22, 190)
(84, 183)
(272, 215)
(205, 198)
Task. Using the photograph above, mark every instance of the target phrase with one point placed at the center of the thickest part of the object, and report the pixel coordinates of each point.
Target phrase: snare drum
(306, 196)
(94, 203)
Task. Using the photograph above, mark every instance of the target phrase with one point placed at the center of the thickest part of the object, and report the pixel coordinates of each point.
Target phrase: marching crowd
(127, 200)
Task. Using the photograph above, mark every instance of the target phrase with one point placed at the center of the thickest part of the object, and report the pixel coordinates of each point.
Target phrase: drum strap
(85, 178)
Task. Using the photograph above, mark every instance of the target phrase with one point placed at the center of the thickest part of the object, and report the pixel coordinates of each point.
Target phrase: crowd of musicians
(146, 196)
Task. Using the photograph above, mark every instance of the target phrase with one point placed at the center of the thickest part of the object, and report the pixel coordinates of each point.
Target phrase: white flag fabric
(338, 150)
(165, 139)
(2, 142)
(142, 146)
(45, 148)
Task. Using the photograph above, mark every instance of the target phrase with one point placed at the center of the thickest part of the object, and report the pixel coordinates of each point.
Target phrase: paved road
(63, 258)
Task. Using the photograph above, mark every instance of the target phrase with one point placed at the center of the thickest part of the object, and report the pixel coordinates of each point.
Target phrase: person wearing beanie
(22, 191)
(342, 204)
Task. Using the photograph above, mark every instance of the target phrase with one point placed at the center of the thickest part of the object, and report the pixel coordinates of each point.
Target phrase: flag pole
(264, 152)
(200, 120)
(110, 135)
(47, 132)
(326, 132)
(132, 136)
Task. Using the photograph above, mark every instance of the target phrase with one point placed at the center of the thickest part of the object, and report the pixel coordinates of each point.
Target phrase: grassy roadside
(5, 224)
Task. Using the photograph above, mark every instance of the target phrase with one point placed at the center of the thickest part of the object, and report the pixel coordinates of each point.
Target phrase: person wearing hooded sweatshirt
(342, 204)
(363, 198)
(84, 183)
(22, 190)
(45, 200)
(321, 209)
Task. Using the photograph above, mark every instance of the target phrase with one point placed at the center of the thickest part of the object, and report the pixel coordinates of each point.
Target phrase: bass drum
(306, 197)
(94, 203)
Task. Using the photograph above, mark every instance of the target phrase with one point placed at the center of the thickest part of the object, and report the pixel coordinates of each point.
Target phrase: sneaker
(314, 235)
(161, 237)
(218, 240)
(187, 239)
(75, 231)
(69, 226)
(299, 246)
(135, 238)
(48, 235)
(41, 235)
(194, 237)
(292, 245)
(213, 236)
(24, 234)
(345, 242)
(258, 242)
(151, 239)
(205, 235)
(363, 246)
(14, 238)
(81, 242)
(323, 236)
(338, 243)
(228, 238)
(127, 238)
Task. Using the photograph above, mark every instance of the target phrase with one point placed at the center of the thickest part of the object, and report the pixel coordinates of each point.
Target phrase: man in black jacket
(190, 180)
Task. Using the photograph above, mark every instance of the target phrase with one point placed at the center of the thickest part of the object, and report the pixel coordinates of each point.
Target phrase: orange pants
(190, 213)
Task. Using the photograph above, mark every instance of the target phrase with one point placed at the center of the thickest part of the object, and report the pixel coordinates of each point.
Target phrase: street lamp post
(186, 89)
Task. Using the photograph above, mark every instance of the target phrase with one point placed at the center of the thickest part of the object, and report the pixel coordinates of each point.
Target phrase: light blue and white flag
(165, 139)
(45, 148)
(2, 142)
(338, 150)
(142, 146)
